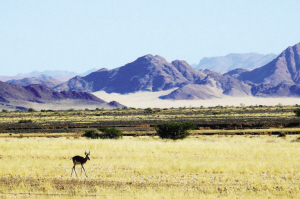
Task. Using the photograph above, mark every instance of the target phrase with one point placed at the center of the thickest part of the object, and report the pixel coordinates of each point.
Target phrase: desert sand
(150, 99)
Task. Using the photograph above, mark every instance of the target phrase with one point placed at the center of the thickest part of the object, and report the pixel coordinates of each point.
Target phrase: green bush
(297, 112)
(110, 133)
(91, 133)
(25, 121)
(148, 111)
(107, 133)
(281, 134)
(31, 110)
(174, 131)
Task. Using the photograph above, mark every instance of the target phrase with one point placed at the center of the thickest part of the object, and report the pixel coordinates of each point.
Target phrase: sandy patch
(150, 99)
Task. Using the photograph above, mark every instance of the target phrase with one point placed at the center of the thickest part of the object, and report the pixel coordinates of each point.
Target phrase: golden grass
(147, 167)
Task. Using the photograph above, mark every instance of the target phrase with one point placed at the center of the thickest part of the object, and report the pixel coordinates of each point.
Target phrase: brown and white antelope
(80, 160)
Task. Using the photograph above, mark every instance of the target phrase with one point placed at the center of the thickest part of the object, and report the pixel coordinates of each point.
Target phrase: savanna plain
(220, 163)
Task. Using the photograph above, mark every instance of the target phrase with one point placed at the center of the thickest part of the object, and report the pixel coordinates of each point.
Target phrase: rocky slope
(214, 85)
(147, 73)
(284, 68)
(11, 94)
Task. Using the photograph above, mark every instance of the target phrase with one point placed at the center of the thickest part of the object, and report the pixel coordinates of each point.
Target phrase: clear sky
(77, 35)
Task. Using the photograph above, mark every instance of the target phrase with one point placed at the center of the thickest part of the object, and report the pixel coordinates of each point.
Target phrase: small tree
(91, 133)
(174, 131)
(110, 133)
(31, 110)
(148, 111)
(297, 112)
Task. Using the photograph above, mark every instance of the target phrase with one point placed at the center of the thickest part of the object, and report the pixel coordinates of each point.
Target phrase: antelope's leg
(83, 169)
(74, 170)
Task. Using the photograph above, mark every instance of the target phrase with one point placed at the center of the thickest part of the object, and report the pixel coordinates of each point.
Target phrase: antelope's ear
(85, 153)
(89, 153)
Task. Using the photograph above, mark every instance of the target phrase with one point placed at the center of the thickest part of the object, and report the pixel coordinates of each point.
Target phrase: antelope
(80, 160)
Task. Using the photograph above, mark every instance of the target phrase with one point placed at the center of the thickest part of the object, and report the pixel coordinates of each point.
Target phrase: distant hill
(147, 73)
(235, 60)
(17, 96)
(41, 79)
(285, 68)
(48, 73)
(214, 85)
(55, 73)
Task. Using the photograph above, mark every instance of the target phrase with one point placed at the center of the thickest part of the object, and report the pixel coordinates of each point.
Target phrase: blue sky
(78, 35)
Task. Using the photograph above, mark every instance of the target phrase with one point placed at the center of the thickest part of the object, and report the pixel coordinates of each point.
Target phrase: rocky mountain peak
(284, 68)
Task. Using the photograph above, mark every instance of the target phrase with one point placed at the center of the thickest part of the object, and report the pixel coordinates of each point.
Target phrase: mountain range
(18, 97)
(147, 73)
(278, 78)
(154, 73)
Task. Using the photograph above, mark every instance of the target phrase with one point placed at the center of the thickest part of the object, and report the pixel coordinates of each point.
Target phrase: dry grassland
(147, 167)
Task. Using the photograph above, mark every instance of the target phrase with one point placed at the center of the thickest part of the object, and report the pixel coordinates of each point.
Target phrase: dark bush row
(106, 133)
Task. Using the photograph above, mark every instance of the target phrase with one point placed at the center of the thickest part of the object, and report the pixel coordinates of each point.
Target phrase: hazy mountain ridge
(278, 78)
(41, 79)
(12, 95)
(235, 60)
(154, 73)
(54, 73)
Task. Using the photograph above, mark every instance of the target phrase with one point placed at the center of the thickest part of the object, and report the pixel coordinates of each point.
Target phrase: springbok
(80, 160)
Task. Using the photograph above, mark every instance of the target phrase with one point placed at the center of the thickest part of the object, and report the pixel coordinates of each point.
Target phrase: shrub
(25, 121)
(281, 134)
(107, 133)
(91, 133)
(297, 112)
(31, 110)
(169, 130)
(110, 133)
(148, 110)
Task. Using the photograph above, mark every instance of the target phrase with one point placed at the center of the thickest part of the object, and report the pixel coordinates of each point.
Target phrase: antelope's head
(87, 155)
